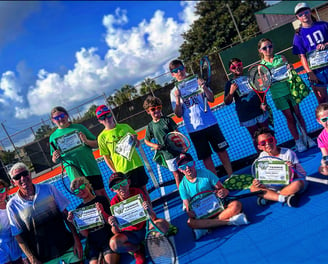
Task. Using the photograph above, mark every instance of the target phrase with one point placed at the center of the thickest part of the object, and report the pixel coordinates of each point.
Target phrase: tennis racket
(158, 245)
(205, 73)
(176, 142)
(259, 78)
(206, 204)
(301, 130)
(65, 165)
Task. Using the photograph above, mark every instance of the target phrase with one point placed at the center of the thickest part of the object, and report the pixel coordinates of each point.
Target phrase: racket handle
(53, 146)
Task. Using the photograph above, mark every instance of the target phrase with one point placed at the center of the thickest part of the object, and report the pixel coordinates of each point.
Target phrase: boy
(158, 128)
(129, 239)
(198, 180)
(280, 193)
(115, 155)
(201, 125)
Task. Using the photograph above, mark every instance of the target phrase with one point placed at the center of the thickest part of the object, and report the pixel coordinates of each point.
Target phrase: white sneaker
(310, 142)
(299, 145)
(198, 233)
(239, 219)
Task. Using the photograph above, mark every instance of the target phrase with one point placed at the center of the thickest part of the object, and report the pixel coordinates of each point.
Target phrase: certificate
(274, 172)
(317, 58)
(125, 146)
(279, 73)
(207, 206)
(244, 87)
(189, 87)
(87, 217)
(69, 141)
(129, 212)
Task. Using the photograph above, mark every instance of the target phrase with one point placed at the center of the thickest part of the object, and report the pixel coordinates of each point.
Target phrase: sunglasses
(155, 108)
(19, 175)
(306, 12)
(61, 116)
(267, 47)
(176, 70)
(189, 164)
(80, 188)
(2, 190)
(118, 185)
(235, 66)
(103, 117)
(265, 141)
(324, 119)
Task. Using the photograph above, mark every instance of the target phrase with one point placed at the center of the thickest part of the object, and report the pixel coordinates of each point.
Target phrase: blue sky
(63, 53)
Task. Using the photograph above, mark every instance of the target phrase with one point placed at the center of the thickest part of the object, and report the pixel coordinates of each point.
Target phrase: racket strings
(160, 249)
(260, 78)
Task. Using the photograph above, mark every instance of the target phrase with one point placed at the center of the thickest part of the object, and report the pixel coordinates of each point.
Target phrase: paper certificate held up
(317, 59)
(129, 212)
(189, 87)
(87, 217)
(207, 206)
(69, 141)
(125, 146)
(272, 172)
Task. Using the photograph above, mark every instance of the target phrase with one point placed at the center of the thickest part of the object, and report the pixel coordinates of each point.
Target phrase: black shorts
(205, 138)
(138, 177)
(96, 182)
(101, 245)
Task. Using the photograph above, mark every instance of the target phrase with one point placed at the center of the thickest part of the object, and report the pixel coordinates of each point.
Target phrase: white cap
(300, 6)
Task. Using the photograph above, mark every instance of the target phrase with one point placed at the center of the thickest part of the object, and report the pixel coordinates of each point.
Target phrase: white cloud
(132, 55)
(10, 87)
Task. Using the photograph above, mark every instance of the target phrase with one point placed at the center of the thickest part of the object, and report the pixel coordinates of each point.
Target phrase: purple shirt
(308, 38)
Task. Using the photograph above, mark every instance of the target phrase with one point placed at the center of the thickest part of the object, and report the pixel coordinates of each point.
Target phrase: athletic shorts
(172, 164)
(135, 237)
(96, 182)
(138, 177)
(9, 251)
(102, 246)
(256, 120)
(68, 257)
(205, 138)
(281, 103)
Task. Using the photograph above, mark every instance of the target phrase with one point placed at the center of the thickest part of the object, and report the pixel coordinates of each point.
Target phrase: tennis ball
(294, 93)
(298, 79)
(302, 86)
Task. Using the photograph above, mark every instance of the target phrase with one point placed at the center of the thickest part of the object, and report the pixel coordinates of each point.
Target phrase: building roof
(287, 7)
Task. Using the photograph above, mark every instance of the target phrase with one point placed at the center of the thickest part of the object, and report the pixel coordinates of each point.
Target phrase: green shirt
(158, 130)
(82, 156)
(277, 89)
(107, 141)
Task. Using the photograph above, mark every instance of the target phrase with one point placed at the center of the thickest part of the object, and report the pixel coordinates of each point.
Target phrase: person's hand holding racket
(222, 193)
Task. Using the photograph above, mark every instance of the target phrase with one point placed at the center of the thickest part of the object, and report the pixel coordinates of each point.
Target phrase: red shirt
(133, 191)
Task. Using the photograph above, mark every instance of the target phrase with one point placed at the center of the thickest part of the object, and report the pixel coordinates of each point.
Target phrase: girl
(321, 114)
(312, 36)
(10, 252)
(80, 156)
(98, 237)
(280, 93)
(251, 113)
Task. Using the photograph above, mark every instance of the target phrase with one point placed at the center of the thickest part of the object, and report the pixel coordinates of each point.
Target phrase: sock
(281, 198)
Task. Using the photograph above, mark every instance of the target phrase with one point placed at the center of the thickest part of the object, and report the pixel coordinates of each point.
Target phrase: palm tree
(148, 86)
(125, 94)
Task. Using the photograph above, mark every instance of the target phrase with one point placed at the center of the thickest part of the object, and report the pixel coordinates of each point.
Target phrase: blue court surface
(276, 233)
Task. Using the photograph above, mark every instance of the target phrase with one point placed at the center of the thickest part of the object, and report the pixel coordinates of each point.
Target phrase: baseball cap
(116, 177)
(301, 6)
(184, 158)
(102, 110)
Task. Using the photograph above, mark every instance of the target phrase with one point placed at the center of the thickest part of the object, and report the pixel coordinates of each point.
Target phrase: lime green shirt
(107, 141)
(277, 89)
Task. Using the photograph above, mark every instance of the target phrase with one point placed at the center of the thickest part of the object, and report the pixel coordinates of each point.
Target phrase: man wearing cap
(114, 152)
(312, 36)
(129, 239)
(199, 180)
(37, 216)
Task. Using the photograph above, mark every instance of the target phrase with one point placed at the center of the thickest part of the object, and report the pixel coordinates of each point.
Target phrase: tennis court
(277, 234)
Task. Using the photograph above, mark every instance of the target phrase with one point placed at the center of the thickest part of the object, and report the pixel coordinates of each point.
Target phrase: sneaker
(261, 201)
(310, 142)
(140, 255)
(299, 145)
(292, 200)
(198, 233)
(239, 219)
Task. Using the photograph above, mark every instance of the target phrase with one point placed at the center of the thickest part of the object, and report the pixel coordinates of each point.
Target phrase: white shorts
(9, 251)
(172, 164)
(255, 120)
